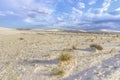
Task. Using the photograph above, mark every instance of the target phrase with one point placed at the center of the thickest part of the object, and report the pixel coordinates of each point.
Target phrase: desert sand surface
(35, 55)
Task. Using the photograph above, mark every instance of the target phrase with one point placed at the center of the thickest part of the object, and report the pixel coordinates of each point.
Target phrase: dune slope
(34, 55)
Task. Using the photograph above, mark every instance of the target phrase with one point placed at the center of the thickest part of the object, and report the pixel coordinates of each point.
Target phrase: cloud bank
(77, 14)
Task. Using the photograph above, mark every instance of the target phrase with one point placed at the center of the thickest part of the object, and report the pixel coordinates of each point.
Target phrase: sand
(34, 54)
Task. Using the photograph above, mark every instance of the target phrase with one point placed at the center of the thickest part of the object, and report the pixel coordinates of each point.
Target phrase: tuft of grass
(21, 38)
(117, 36)
(112, 50)
(74, 47)
(58, 71)
(92, 40)
(65, 56)
(71, 48)
(96, 46)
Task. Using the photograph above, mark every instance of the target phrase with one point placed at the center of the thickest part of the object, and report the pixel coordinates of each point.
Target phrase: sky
(56, 14)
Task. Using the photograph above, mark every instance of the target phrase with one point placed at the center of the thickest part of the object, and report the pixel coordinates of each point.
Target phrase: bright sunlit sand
(58, 55)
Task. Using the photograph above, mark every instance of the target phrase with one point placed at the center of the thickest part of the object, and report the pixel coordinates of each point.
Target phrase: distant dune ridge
(7, 31)
(3, 29)
(109, 30)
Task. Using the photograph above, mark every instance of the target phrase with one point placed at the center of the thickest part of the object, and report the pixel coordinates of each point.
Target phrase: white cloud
(34, 10)
(60, 19)
(71, 1)
(115, 0)
(105, 5)
(118, 9)
(75, 10)
(81, 5)
(42, 12)
(97, 20)
(2, 14)
(24, 8)
(12, 13)
(8, 12)
(92, 2)
(28, 20)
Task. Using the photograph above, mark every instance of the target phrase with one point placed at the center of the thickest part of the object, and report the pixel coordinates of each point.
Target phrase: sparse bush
(21, 38)
(96, 46)
(58, 71)
(112, 50)
(82, 43)
(92, 40)
(71, 48)
(65, 56)
(117, 35)
(74, 47)
(108, 40)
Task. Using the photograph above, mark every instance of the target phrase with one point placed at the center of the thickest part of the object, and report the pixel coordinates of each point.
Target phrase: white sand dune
(7, 31)
(110, 30)
(33, 54)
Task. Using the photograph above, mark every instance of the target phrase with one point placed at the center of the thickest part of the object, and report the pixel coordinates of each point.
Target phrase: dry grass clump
(21, 38)
(96, 46)
(91, 40)
(74, 47)
(58, 71)
(71, 47)
(112, 50)
(117, 35)
(65, 56)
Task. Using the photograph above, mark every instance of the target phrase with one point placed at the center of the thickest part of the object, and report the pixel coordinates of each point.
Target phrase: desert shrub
(112, 50)
(58, 71)
(117, 35)
(74, 47)
(65, 56)
(96, 46)
(21, 38)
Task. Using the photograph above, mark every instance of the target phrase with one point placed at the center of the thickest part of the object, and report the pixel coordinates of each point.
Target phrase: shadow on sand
(36, 61)
(88, 74)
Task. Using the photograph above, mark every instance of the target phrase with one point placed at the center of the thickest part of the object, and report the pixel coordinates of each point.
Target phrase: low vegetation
(65, 56)
(74, 47)
(96, 46)
(58, 71)
(21, 38)
(112, 50)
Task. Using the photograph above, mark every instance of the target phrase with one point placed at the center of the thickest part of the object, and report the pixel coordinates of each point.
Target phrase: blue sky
(78, 14)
